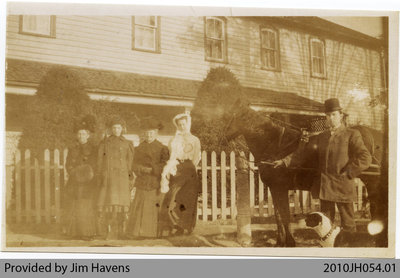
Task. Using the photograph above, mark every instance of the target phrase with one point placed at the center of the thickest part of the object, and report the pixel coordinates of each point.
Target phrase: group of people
(103, 179)
(165, 180)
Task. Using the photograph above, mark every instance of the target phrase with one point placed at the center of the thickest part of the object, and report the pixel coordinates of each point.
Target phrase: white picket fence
(37, 189)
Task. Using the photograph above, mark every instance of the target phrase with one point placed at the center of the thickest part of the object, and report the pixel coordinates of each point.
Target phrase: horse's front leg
(282, 214)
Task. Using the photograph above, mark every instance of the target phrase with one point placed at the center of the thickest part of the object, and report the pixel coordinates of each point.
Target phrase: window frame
(224, 48)
(277, 49)
(157, 47)
(312, 72)
(52, 27)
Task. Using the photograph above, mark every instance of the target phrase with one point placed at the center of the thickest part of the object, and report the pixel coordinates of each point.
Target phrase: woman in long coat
(179, 179)
(150, 158)
(80, 165)
(114, 163)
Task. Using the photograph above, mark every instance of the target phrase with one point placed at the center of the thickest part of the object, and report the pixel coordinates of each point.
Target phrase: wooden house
(154, 64)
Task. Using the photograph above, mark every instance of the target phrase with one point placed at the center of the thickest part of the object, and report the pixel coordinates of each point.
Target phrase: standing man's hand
(278, 163)
(345, 173)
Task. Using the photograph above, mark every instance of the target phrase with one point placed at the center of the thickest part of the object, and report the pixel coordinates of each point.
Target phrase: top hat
(88, 122)
(331, 105)
(150, 123)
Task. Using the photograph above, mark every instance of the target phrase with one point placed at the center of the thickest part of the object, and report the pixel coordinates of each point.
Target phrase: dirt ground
(206, 234)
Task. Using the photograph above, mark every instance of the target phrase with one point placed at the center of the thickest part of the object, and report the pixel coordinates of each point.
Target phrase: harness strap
(281, 137)
(283, 122)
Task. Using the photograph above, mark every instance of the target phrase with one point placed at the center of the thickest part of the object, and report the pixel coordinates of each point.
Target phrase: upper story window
(317, 54)
(215, 39)
(38, 25)
(269, 49)
(146, 33)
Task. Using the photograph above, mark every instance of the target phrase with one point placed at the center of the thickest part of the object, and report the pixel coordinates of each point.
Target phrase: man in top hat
(150, 158)
(114, 166)
(341, 156)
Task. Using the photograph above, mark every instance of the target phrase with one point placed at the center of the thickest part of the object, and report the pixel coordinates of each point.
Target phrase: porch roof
(29, 73)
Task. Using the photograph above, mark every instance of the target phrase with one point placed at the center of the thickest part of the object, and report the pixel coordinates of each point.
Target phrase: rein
(283, 123)
(280, 139)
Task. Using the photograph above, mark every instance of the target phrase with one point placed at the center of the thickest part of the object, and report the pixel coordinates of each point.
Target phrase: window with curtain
(39, 25)
(215, 39)
(317, 54)
(146, 33)
(269, 49)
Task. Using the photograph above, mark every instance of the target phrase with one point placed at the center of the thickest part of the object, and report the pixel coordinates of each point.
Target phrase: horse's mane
(258, 122)
(266, 137)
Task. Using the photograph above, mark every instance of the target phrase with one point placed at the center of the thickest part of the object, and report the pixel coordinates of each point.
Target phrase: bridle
(223, 136)
(282, 130)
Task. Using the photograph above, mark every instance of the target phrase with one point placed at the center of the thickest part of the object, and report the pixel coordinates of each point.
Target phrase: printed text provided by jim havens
(56, 267)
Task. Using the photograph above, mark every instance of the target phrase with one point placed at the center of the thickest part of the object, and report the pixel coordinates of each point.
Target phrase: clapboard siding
(104, 40)
(106, 43)
(116, 54)
(85, 53)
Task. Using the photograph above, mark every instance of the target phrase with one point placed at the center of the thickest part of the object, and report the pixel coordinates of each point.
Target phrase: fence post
(233, 184)
(47, 186)
(243, 201)
(312, 203)
(28, 194)
(304, 201)
(9, 184)
(18, 196)
(214, 186)
(270, 203)
(57, 184)
(359, 184)
(223, 185)
(65, 161)
(296, 201)
(260, 195)
(204, 184)
(38, 205)
(251, 183)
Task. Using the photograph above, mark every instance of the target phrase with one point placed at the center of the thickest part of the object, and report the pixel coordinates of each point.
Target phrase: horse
(269, 141)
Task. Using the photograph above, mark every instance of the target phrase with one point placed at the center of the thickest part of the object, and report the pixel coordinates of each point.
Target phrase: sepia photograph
(176, 130)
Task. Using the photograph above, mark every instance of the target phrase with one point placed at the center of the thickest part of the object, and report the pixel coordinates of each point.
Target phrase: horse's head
(234, 121)
(264, 137)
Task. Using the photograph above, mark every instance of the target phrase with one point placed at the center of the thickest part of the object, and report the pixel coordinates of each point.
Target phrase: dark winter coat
(114, 165)
(78, 156)
(153, 156)
(341, 156)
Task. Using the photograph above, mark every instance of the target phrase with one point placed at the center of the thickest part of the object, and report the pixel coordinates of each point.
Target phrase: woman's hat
(150, 123)
(180, 117)
(332, 104)
(116, 120)
(185, 116)
(87, 122)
